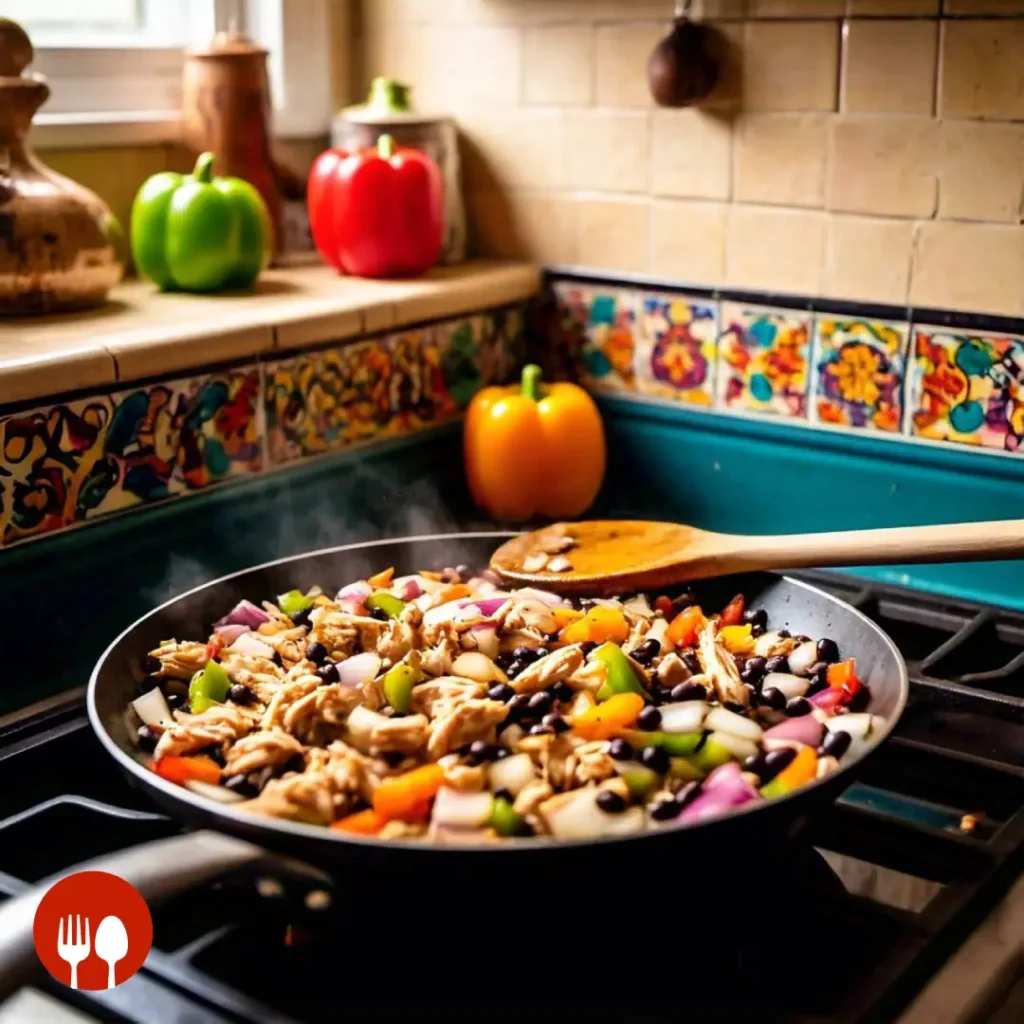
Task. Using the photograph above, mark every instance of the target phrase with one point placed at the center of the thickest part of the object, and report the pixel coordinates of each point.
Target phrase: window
(114, 66)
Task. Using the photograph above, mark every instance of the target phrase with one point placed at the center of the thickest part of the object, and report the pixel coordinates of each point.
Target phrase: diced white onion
(358, 669)
(152, 708)
(639, 606)
(739, 747)
(686, 716)
(578, 818)
(512, 773)
(659, 631)
(485, 636)
(860, 727)
(361, 723)
(788, 684)
(631, 820)
(211, 792)
(251, 644)
(478, 667)
(803, 657)
(723, 720)
(464, 810)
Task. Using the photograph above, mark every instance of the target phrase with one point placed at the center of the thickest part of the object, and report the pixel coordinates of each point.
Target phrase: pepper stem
(388, 96)
(204, 168)
(385, 147)
(531, 381)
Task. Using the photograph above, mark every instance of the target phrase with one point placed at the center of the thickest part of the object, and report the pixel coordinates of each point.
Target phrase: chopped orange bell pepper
(598, 626)
(363, 823)
(685, 627)
(551, 433)
(178, 769)
(604, 720)
(843, 676)
(737, 639)
(732, 613)
(382, 579)
(563, 616)
(455, 592)
(801, 769)
(407, 796)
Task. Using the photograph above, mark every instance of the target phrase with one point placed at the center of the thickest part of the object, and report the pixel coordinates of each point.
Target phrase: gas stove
(863, 919)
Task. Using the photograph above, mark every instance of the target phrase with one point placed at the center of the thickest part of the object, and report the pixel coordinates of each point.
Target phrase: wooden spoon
(602, 557)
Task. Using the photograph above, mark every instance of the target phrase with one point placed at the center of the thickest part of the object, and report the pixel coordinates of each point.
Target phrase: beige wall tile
(688, 241)
(890, 67)
(890, 8)
(795, 8)
(558, 65)
(984, 7)
(522, 225)
(780, 159)
(982, 70)
(612, 233)
(691, 154)
(621, 64)
(605, 149)
(868, 259)
(774, 249)
(791, 65)
(981, 171)
(883, 165)
(513, 147)
(976, 267)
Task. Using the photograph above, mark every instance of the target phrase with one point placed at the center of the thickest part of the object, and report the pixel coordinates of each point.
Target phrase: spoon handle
(952, 542)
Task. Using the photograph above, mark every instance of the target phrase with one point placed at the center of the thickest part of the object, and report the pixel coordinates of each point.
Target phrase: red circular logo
(92, 930)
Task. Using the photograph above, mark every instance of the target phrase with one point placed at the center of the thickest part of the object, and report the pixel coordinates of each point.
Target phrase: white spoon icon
(111, 944)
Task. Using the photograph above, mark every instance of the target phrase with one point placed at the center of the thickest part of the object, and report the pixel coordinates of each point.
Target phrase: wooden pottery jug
(226, 111)
(60, 246)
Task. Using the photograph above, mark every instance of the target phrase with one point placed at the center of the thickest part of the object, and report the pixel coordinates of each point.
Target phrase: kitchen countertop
(142, 332)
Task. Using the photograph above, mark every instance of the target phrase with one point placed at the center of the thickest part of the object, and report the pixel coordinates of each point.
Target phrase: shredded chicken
(593, 762)
(531, 796)
(220, 725)
(718, 665)
(289, 641)
(552, 668)
(180, 660)
(465, 778)
(298, 683)
(260, 750)
(437, 660)
(471, 720)
(406, 735)
(672, 671)
(321, 713)
(399, 635)
(441, 696)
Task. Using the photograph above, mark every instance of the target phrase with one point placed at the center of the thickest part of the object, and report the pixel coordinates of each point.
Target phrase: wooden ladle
(603, 557)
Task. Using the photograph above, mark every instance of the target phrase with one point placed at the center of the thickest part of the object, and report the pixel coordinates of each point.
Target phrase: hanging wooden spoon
(603, 557)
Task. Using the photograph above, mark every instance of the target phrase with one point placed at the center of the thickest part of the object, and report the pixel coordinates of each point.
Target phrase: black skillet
(226, 838)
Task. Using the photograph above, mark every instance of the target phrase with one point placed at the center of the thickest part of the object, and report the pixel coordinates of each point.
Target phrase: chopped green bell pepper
(710, 756)
(640, 779)
(505, 820)
(681, 768)
(293, 602)
(197, 233)
(397, 685)
(390, 605)
(775, 788)
(209, 686)
(620, 675)
(674, 744)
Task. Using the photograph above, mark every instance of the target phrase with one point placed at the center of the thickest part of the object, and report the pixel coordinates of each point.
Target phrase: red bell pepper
(377, 212)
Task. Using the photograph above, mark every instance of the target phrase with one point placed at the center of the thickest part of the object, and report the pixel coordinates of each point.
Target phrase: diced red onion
(408, 588)
(152, 708)
(360, 590)
(462, 810)
(250, 643)
(828, 699)
(245, 613)
(358, 669)
(229, 634)
(489, 605)
(804, 729)
(485, 636)
(724, 789)
(352, 606)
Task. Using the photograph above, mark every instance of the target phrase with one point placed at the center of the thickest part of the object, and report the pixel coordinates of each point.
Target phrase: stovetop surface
(846, 926)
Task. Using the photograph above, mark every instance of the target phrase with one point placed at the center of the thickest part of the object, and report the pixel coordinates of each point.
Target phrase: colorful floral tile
(967, 387)
(598, 328)
(859, 373)
(63, 464)
(676, 354)
(762, 360)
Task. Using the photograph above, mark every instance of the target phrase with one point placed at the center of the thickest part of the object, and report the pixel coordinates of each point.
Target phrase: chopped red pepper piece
(843, 677)
(685, 627)
(663, 604)
(363, 823)
(181, 769)
(732, 613)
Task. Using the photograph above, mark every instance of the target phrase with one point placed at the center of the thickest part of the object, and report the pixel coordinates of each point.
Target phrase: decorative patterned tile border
(76, 460)
(675, 352)
(599, 326)
(762, 360)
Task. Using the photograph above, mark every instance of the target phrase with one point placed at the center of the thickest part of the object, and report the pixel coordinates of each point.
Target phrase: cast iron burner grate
(848, 929)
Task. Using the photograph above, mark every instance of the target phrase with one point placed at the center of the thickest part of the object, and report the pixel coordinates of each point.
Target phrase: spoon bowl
(111, 944)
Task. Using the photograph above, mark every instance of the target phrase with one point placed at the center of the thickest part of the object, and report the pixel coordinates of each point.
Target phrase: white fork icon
(77, 946)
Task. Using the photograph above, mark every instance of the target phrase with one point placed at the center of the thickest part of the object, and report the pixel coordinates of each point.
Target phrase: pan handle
(158, 870)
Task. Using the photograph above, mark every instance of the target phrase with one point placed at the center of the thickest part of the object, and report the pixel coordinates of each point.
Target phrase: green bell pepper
(397, 685)
(710, 756)
(620, 678)
(673, 743)
(198, 233)
(505, 820)
(390, 605)
(209, 686)
(293, 602)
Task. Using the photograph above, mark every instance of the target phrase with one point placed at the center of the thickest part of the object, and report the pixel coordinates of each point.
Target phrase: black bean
(517, 706)
(778, 663)
(836, 744)
(379, 614)
(316, 652)
(541, 730)
(756, 631)
(610, 802)
(241, 694)
(828, 650)
(147, 739)
(756, 617)
(242, 785)
(687, 794)
(665, 810)
(562, 692)
(689, 691)
(860, 700)
(524, 654)
(775, 762)
(504, 794)
(557, 722)
(587, 646)
(798, 707)
(214, 752)
(540, 702)
(301, 618)
(663, 695)
(819, 668)
(619, 750)
(649, 718)
(755, 763)
(784, 633)
(734, 706)
(654, 758)
(175, 699)
(464, 572)
(515, 668)
(151, 664)
(503, 660)
(500, 753)
(478, 748)
(502, 692)
(773, 698)
(295, 763)
(754, 669)
(329, 672)
(647, 652)
(186, 707)
(692, 662)
(392, 758)
(816, 685)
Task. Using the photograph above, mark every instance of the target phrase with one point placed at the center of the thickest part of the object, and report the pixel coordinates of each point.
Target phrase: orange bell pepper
(732, 613)
(363, 823)
(843, 676)
(599, 625)
(604, 720)
(685, 627)
(533, 450)
(407, 796)
(382, 579)
(801, 769)
(175, 768)
(563, 616)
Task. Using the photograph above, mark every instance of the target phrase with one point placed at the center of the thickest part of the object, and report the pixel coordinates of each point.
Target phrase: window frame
(296, 34)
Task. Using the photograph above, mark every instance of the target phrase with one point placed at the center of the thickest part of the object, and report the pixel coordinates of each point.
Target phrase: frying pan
(227, 838)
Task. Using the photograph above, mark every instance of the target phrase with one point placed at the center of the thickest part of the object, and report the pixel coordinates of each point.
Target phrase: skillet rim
(298, 831)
